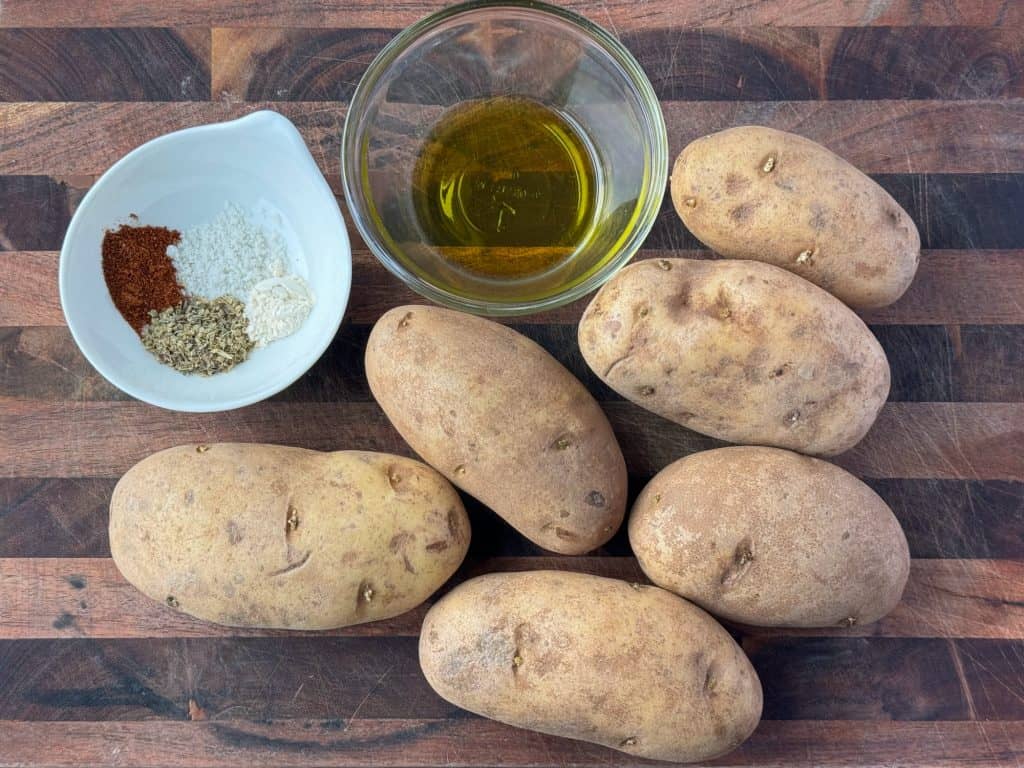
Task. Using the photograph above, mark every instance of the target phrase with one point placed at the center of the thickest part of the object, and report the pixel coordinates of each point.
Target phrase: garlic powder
(277, 307)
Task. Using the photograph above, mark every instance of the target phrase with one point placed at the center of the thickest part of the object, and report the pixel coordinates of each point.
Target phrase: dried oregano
(199, 336)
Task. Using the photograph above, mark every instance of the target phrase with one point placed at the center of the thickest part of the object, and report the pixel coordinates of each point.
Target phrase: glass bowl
(481, 52)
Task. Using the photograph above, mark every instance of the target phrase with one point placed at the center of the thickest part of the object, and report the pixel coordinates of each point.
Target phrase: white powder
(230, 255)
(277, 307)
(227, 256)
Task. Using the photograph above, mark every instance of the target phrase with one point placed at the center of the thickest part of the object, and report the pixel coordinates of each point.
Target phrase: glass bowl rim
(655, 130)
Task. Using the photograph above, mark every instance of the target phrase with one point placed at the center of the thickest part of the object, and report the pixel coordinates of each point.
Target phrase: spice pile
(202, 299)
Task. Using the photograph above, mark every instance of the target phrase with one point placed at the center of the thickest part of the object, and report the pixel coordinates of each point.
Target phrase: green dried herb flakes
(199, 336)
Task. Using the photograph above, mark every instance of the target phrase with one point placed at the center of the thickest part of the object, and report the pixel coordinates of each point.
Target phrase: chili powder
(139, 274)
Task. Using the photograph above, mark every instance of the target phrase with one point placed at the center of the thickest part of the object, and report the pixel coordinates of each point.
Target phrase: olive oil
(505, 188)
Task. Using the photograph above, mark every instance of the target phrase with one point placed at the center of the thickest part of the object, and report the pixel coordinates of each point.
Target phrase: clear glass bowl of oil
(504, 157)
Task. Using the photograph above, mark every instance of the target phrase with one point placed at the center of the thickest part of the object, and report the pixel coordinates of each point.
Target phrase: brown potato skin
(770, 538)
(631, 667)
(739, 350)
(205, 531)
(865, 247)
(503, 420)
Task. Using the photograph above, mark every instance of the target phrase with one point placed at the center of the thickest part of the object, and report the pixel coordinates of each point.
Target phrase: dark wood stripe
(929, 363)
(271, 678)
(756, 63)
(255, 678)
(923, 63)
(995, 677)
(104, 65)
(952, 211)
(979, 441)
(615, 14)
(86, 597)
(293, 64)
(67, 517)
(54, 517)
(747, 64)
(473, 741)
(35, 212)
(954, 518)
(878, 137)
(938, 295)
(858, 679)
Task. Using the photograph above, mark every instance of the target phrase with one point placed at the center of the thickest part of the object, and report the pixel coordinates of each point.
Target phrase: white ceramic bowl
(178, 181)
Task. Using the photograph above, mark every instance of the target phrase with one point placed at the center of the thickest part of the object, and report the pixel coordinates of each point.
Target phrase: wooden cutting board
(927, 97)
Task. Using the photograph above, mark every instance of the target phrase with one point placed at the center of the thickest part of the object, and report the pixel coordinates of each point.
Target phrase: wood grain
(104, 65)
(958, 519)
(67, 517)
(980, 441)
(616, 14)
(34, 213)
(753, 64)
(951, 211)
(938, 295)
(994, 673)
(923, 63)
(324, 677)
(926, 96)
(929, 363)
(471, 741)
(87, 597)
(756, 63)
(877, 137)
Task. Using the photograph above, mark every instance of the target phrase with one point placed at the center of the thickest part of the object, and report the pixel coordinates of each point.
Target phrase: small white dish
(179, 181)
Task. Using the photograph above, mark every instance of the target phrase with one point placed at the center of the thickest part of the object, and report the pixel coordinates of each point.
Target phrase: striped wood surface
(926, 97)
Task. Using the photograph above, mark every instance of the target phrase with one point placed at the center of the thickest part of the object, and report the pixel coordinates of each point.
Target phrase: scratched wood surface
(927, 97)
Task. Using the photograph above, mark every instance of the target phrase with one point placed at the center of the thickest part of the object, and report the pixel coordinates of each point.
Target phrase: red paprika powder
(139, 274)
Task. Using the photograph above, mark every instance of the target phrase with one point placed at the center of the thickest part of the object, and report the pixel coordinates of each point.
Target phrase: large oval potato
(269, 536)
(758, 193)
(628, 666)
(503, 420)
(771, 538)
(738, 350)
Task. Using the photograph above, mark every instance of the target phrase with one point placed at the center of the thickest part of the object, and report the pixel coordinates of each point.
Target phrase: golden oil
(505, 188)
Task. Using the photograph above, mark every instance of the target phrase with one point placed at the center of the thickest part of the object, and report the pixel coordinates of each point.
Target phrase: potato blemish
(365, 593)
(595, 499)
(628, 742)
(710, 681)
(394, 478)
(291, 521)
(742, 557)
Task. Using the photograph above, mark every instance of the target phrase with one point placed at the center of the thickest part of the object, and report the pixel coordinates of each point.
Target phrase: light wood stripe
(620, 14)
(940, 294)
(979, 441)
(948, 137)
(474, 741)
(87, 597)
